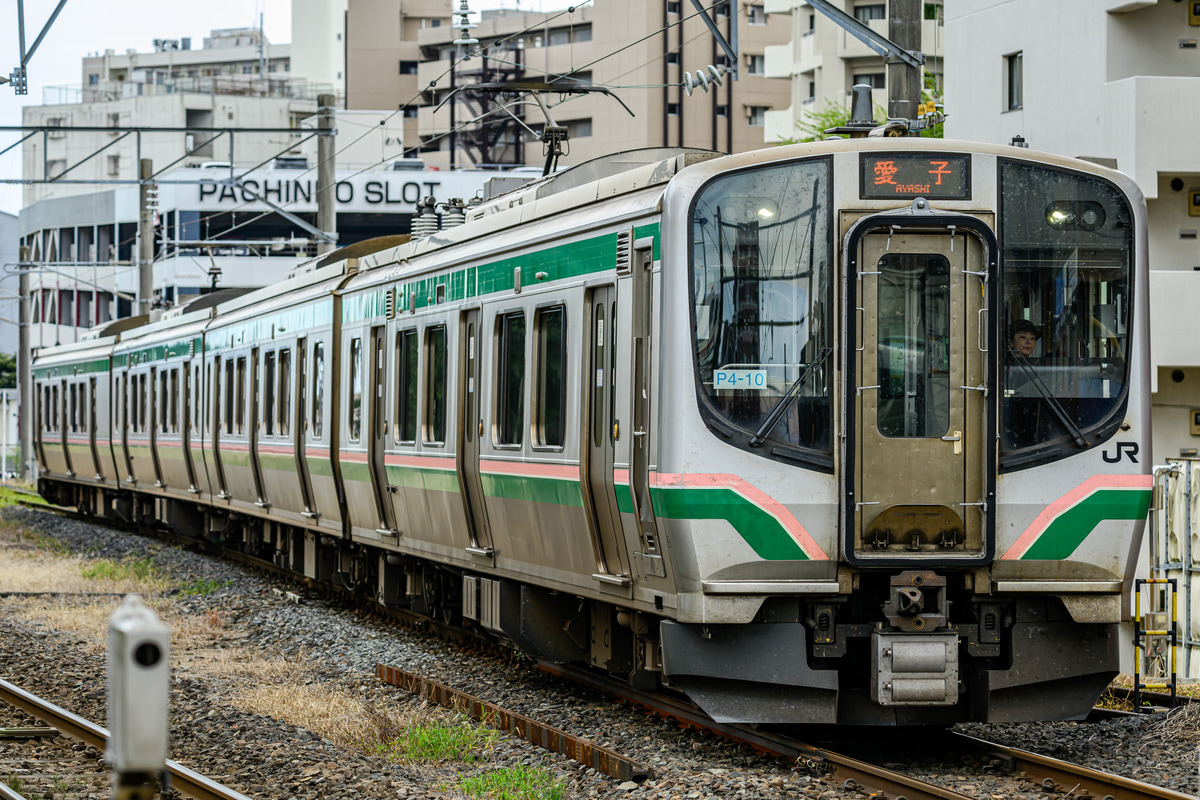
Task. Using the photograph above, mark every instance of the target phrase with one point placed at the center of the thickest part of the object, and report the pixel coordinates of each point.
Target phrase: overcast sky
(92, 26)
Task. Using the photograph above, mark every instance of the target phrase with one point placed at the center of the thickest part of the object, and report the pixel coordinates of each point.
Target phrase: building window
(876, 80)
(672, 7)
(866, 13)
(672, 58)
(560, 36)
(722, 111)
(1015, 79)
(758, 115)
(812, 90)
(410, 112)
(756, 64)
(756, 15)
(408, 67)
(582, 34)
(93, 79)
(672, 109)
(722, 9)
(578, 128)
(933, 13)
(114, 165)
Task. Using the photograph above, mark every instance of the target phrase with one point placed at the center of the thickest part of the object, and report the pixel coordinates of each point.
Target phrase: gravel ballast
(338, 648)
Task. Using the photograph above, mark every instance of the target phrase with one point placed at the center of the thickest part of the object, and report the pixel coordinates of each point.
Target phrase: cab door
(921, 450)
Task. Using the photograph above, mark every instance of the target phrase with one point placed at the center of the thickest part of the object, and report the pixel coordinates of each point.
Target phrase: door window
(913, 316)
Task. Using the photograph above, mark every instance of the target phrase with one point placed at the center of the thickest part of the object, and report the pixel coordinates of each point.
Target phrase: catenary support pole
(326, 176)
(145, 237)
(904, 81)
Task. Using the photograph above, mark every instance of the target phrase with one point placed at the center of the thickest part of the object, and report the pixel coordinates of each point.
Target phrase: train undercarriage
(905, 647)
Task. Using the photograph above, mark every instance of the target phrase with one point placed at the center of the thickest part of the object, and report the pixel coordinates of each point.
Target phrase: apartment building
(822, 60)
(637, 50)
(1123, 88)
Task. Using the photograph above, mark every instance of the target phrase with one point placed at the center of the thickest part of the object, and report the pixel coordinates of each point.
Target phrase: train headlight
(1060, 214)
(1091, 215)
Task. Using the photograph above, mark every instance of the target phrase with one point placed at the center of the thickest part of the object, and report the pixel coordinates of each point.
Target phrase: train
(852, 432)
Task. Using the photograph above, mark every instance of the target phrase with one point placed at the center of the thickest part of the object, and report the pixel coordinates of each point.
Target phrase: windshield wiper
(793, 392)
(1049, 397)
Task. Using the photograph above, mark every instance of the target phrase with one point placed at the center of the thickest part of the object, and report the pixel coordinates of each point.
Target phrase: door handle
(956, 437)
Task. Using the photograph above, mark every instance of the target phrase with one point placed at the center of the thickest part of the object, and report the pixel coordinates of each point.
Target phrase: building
(1121, 88)
(319, 43)
(823, 60)
(209, 235)
(10, 299)
(393, 64)
(240, 60)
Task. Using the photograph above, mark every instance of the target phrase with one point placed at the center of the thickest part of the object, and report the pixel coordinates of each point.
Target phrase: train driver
(1024, 337)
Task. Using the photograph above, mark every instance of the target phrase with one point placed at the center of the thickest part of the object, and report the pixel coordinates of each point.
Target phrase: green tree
(8, 371)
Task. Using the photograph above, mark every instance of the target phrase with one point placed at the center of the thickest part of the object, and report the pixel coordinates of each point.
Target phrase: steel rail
(183, 779)
(602, 759)
(1062, 776)
(850, 772)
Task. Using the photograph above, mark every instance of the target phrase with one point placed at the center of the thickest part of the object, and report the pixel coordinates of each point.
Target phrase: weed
(203, 587)
(140, 569)
(513, 783)
(429, 739)
(13, 782)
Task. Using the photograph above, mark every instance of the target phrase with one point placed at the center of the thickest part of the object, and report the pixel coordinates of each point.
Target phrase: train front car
(916, 438)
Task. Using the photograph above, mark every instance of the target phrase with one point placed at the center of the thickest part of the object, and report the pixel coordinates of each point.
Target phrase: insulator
(454, 213)
(424, 224)
(715, 74)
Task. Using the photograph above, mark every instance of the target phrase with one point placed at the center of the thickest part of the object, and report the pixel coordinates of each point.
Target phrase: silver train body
(759, 428)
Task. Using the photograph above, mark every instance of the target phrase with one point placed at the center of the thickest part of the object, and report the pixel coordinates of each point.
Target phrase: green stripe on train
(768, 538)
(570, 260)
(1062, 536)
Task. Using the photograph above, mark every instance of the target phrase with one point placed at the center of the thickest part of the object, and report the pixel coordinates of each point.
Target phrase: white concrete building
(319, 42)
(1117, 81)
(823, 61)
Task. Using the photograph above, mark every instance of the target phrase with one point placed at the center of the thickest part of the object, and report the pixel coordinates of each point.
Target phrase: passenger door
(599, 437)
(470, 429)
(921, 424)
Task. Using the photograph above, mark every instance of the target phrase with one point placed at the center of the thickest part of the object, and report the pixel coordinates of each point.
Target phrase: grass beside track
(393, 728)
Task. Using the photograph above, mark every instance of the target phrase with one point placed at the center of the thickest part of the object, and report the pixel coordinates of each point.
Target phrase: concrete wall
(319, 42)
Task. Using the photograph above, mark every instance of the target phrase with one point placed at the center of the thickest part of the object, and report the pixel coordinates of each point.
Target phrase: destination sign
(936, 176)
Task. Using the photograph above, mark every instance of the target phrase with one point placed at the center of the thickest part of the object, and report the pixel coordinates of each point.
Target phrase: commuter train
(852, 432)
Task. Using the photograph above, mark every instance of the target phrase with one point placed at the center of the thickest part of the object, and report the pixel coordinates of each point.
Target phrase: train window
(356, 389)
(56, 410)
(761, 260)
(164, 402)
(406, 386)
(913, 319)
(435, 385)
(268, 411)
(240, 396)
(318, 419)
(551, 396)
(285, 390)
(229, 387)
(144, 411)
(510, 378)
(134, 404)
(197, 393)
(174, 401)
(72, 415)
(1067, 250)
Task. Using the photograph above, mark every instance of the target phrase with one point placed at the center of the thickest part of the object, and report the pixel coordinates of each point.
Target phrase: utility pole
(24, 373)
(145, 237)
(903, 80)
(326, 175)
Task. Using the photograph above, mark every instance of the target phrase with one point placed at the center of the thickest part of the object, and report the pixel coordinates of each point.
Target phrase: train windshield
(1067, 247)
(760, 283)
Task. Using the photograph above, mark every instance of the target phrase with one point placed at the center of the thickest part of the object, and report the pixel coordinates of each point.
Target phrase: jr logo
(1129, 449)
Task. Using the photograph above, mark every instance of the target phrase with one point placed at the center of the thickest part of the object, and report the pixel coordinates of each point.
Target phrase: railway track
(186, 781)
(850, 772)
